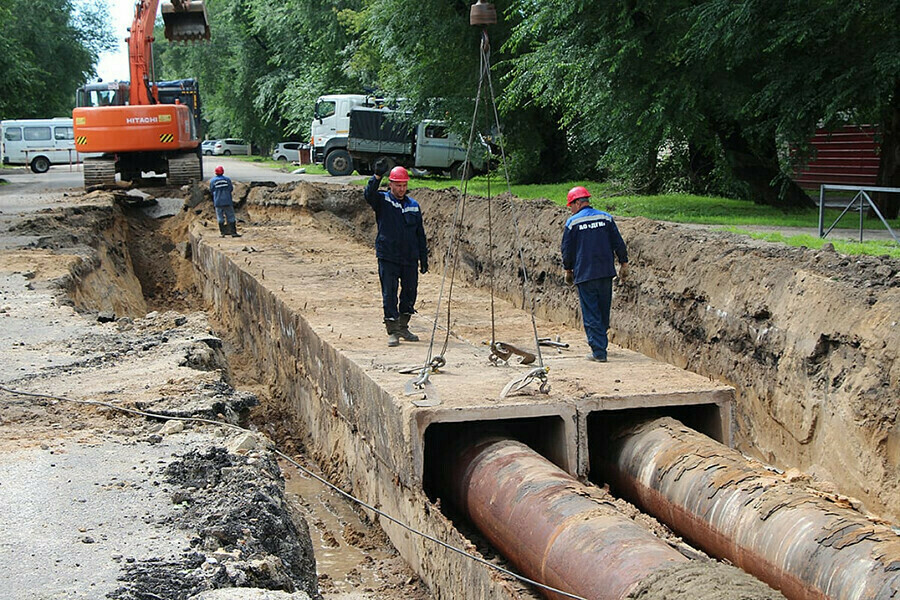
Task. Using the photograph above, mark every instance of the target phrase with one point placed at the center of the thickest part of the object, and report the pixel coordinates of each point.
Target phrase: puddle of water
(342, 566)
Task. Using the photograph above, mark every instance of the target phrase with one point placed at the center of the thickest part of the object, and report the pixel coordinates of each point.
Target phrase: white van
(38, 143)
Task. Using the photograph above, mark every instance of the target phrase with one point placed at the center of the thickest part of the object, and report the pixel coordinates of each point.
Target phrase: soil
(808, 338)
(79, 322)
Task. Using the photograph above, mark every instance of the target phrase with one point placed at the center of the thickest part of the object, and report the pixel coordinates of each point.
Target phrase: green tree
(816, 63)
(265, 65)
(727, 83)
(427, 53)
(47, 49)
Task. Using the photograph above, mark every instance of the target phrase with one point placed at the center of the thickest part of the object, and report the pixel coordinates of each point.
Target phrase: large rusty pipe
(788, 535)
(573, 537)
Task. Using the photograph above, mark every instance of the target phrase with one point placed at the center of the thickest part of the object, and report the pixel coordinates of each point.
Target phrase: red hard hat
(220, 169)
(399, 174)
(576, 193)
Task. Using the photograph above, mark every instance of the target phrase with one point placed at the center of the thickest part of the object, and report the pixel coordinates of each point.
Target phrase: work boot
(393, 338)
(403, 328)
(232, 230)
(223, 229)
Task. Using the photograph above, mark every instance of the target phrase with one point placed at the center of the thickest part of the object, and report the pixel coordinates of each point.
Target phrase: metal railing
(861, 201)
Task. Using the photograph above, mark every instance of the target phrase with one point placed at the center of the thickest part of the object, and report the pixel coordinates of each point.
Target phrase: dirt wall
(809, 338)
(101, 277)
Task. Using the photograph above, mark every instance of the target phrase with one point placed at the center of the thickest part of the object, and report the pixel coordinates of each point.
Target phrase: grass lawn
(264, 161)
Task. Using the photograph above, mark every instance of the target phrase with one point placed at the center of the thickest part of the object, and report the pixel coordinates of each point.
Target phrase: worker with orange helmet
(401, 249)
(591, 242)
(221, 187)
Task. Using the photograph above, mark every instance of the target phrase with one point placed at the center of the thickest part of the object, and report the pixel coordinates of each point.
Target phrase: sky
(114, 65)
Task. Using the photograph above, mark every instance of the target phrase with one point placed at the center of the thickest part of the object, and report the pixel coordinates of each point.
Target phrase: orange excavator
(129, 130)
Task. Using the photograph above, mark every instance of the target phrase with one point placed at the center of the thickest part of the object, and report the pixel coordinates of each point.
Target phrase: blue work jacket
(221, 188)
(401, 233)
(590, 243)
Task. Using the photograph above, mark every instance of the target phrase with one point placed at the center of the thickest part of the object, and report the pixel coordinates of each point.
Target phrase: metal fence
(860, 202)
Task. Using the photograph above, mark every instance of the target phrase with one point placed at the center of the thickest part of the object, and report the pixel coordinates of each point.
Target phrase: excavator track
(184, 169)
(99, 171)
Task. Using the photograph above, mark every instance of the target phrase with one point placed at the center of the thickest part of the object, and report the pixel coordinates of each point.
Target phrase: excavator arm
(185, 20)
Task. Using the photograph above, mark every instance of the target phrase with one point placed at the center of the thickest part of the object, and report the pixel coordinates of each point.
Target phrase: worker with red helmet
(221, 188)
(401, 249)
(591, 242)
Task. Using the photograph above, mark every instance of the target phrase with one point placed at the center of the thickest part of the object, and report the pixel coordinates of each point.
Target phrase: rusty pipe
(570, 536)
(783, 532)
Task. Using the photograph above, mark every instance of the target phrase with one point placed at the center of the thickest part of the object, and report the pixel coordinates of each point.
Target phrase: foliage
(729, 81)
(47, 49)
(265, 65)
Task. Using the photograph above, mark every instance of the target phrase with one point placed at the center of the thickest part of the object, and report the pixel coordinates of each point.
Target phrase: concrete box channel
(328, 361)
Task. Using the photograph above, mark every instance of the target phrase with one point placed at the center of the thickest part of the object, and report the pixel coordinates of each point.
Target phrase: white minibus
(38, 143)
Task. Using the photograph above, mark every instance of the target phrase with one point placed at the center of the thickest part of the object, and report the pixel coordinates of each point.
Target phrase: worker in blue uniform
(590, 244)
(221, 188)
(401, 249)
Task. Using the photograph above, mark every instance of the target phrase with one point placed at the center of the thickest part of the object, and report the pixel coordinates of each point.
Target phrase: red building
(845, 156)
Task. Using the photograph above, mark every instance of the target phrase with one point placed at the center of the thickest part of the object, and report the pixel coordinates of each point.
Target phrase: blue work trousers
(395, 276)
(596, 299)
(225, 214)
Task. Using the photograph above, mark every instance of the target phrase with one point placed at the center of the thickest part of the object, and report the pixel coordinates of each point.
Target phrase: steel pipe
(570, 536)
(783, 532)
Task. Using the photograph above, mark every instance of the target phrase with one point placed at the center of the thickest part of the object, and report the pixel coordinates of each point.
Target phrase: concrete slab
(331, 284)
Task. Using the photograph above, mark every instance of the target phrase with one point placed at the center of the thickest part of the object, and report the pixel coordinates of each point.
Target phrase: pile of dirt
(245, 535)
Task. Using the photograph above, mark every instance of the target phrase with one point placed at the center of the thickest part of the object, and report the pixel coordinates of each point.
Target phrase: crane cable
(451, 261)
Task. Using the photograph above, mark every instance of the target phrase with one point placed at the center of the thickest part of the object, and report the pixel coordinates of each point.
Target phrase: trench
(166, 284)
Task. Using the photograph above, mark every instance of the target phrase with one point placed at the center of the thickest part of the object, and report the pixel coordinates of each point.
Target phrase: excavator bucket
(185, 20)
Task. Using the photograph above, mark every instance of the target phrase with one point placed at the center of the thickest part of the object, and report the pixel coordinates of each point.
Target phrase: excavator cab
(185, 20)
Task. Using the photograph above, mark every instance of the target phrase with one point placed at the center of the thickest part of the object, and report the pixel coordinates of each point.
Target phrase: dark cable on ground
(304, 470)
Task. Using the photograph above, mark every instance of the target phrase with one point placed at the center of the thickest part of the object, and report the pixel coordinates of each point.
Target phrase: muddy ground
(101, 504)
(808, 338)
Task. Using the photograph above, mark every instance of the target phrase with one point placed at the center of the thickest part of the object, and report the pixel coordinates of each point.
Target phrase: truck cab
(331, 123)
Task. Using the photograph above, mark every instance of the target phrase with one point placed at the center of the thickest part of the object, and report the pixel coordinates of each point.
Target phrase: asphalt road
(23, 181)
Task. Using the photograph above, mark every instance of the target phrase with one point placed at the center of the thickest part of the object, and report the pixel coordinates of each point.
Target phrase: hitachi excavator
(134, 128)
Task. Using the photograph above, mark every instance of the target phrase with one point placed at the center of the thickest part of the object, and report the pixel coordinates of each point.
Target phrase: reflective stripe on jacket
(590, 243)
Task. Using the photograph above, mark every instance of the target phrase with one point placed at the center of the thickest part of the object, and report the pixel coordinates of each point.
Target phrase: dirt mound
(236, 503)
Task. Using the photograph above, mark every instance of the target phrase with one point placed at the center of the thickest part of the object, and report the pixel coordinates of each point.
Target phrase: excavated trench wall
(353, 428)
(96, 236)
(809, 339)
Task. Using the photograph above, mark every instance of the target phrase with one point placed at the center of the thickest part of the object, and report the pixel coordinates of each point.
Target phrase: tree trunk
(700, 166)
(889, 164)
(757, 166)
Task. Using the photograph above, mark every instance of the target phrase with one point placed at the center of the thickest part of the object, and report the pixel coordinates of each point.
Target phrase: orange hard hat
(575, 194)
(399, 174)
(220, 169)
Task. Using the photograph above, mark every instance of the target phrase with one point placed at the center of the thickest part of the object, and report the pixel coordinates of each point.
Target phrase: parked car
(230, 146)
(208, 146)
(287, 151)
